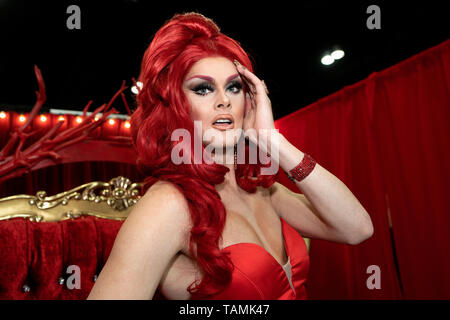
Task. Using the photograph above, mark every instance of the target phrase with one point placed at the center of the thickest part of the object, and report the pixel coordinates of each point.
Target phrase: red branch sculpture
(14, 161)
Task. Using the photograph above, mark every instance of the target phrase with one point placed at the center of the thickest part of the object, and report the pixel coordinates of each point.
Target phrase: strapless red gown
(258, 276)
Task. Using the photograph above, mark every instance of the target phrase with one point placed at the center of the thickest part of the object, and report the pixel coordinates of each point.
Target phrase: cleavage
(236, 225)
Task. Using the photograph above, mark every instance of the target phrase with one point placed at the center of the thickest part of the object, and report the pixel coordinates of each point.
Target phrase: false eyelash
(203, 86)
(236, 84)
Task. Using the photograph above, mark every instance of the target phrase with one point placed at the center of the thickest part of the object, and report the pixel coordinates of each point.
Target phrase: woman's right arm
(156, 229)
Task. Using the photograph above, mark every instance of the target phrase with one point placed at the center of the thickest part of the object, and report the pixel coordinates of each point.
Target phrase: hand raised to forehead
(258, 114)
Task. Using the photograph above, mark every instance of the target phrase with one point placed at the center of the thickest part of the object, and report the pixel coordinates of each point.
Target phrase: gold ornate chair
(53, 247)
(108, 200)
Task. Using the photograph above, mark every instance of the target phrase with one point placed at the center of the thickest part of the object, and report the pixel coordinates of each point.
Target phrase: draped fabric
(63, 177)
(36, 258)
(387, 139)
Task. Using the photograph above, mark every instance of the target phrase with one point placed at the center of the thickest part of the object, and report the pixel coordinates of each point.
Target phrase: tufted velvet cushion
(34, 255)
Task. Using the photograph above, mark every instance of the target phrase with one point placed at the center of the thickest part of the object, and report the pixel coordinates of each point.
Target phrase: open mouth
(223, 123)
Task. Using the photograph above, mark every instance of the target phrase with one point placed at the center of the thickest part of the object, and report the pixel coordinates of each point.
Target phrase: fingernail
(238, 64)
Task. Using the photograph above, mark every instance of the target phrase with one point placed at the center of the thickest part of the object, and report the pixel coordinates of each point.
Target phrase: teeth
(223, 121)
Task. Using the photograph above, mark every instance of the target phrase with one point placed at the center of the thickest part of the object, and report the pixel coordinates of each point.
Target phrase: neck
(230, 183)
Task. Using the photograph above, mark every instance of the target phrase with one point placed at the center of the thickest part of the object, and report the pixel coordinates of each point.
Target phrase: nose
(223, 100)
(221, 105)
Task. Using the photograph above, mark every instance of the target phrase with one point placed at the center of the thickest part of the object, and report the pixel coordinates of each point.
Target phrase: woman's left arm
(327, 209)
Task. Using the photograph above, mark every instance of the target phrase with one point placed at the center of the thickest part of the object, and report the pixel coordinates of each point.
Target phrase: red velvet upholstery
(37, 254)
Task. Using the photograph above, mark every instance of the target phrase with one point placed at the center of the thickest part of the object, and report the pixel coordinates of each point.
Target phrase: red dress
(258, 276)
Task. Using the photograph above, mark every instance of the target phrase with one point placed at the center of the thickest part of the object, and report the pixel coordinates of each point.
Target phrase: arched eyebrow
(232, 77)
(208, 78)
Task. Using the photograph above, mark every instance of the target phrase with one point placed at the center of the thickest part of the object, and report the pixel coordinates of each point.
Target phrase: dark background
(285, 39)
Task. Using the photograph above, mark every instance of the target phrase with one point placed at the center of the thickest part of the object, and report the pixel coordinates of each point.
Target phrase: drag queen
(209, 227)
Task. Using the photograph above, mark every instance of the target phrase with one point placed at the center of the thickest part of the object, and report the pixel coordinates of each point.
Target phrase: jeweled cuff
(303, 169)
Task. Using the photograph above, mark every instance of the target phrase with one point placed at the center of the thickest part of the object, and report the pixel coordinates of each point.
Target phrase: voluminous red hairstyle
(161, 108)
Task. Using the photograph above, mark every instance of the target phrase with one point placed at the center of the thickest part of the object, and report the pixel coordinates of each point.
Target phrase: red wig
(161, 108)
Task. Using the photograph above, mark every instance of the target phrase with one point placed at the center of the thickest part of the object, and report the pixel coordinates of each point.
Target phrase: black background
(285, 39)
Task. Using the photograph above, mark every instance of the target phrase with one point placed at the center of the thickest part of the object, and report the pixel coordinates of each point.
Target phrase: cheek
(238, 103)
(195, 106)
(198, 108)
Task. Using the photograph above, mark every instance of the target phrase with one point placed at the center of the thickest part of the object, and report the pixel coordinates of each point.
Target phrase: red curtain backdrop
(63, 177)
(387, 139)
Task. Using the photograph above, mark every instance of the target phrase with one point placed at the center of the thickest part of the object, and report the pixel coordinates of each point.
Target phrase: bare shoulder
(276, 187)
(152, 235)
(279, 194)
(166, 199)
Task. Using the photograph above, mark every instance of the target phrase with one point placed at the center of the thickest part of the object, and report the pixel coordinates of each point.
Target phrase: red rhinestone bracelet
(303, 169)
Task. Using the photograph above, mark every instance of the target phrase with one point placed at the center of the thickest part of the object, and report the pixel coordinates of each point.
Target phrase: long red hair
(161, 108)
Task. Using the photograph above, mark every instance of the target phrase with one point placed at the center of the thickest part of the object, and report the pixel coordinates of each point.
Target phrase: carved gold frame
(109, 200)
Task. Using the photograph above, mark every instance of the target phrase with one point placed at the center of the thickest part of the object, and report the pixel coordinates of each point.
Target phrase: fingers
(248, 105)
(250, 86)
(256, 85)
(244, 72)
(265, 87)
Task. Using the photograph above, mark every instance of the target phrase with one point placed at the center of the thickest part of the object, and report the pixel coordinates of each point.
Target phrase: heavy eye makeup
(205, 87)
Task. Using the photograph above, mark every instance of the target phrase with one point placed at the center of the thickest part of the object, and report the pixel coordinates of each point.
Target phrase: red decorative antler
(14, 161)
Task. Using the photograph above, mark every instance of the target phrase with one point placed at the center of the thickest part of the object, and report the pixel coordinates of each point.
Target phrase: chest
(252, 220)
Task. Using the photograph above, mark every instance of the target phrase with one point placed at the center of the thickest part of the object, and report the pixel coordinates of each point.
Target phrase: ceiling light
(327, 60)
(337, 54)
(134, 89)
